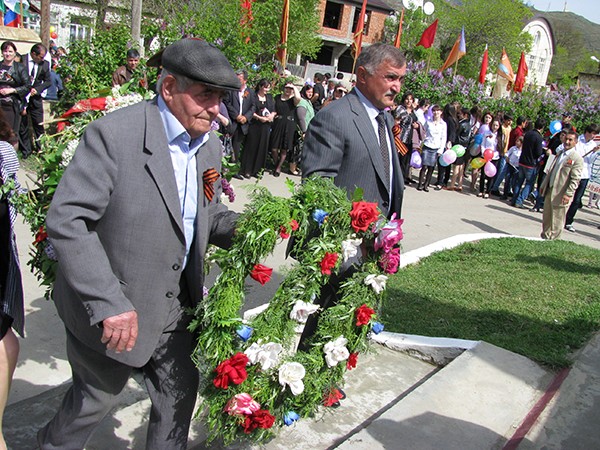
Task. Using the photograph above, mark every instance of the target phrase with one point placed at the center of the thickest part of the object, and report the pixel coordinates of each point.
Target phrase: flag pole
(456, 68)
(21, 14)
(428, 62)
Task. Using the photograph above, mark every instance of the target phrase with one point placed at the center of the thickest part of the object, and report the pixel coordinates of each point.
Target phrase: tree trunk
(136, 24)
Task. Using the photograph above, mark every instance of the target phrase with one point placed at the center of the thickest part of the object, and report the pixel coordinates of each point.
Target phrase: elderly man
(351, 141)
(560, 185)
(130, 222)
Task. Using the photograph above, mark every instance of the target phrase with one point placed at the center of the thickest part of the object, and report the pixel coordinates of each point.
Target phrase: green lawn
(539, 299)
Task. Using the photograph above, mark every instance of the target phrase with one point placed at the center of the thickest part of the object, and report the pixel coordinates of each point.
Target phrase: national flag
(522, 72)
(505, 69)
(484, 66)
(358, 34)
(283, 34)
(428, 35)
(11, 19)
(399, 34)
(459, 49)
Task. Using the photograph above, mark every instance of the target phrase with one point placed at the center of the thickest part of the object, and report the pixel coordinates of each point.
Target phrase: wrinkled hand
(120, 332)
(565, 200)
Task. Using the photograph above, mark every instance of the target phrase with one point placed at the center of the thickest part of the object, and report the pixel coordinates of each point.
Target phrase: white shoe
(570, 228)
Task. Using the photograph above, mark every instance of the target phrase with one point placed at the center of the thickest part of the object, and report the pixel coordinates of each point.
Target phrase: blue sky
(586, 8)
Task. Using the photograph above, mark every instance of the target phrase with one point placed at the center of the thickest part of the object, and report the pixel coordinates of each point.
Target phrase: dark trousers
(170, 376)
(405, 166)
(443, 175)
(237, 140)
(576, 203)
(32, 120)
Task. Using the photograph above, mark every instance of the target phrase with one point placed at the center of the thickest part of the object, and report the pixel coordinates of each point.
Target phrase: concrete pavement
(478, 400)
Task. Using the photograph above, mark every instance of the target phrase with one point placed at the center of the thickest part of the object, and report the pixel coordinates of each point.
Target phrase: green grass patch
(538, 299)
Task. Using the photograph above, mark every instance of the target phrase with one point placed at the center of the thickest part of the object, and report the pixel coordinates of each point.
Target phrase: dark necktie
(383, 147)
(32, 72)
(209, 177)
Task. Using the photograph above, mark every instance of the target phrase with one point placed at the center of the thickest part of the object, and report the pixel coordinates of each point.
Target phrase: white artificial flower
(267, 355)
(336, 351)
(302, 310)
(291, 374)
(350, 247)
(377, 282)
(67, 154)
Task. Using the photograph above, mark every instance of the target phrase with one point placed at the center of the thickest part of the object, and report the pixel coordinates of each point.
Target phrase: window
(80, 29)
(333, 15)
(355, 21)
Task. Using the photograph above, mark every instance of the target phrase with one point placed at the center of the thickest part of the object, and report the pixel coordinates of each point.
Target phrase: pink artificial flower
(241, 404)
(389, 235)
(390, 261)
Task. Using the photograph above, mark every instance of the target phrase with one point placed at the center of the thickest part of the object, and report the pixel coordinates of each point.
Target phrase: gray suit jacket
(115, 222)
(341, 143)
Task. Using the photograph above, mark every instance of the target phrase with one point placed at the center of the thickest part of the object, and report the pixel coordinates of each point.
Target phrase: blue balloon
(442, 162)
(478, 139)
(555, 127)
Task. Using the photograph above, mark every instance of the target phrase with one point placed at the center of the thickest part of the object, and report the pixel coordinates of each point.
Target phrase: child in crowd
(512, 161)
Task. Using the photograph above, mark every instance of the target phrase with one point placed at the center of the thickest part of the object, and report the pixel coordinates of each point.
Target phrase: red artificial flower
(283, 232)
(40, 236)
(261, 273)
(232, 370)
(328, 262)
(333, 397)
(351, 361)
(294, 225)
(259, 419)
(363, 315)
(363, 214)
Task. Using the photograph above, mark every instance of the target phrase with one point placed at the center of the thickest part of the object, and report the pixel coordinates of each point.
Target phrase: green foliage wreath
(254, 377)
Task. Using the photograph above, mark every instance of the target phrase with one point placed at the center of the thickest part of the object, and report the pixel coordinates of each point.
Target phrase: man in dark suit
(351, 141)
(130, 222)
(39, 72)
(346, 139)
(241, 107)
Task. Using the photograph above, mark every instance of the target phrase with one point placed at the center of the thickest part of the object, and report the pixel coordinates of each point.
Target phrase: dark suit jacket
(42, 80)
(232, 102)
(341, 143)
(115, 222)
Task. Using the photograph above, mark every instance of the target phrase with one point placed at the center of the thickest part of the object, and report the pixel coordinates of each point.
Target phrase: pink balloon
(488, 154)
(449, 156)
(489, 169)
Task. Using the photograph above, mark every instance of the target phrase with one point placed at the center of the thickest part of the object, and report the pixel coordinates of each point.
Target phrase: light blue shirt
(183, 152)
(373, 112)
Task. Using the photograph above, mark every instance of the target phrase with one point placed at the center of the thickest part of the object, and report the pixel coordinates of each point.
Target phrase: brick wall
(376, 24)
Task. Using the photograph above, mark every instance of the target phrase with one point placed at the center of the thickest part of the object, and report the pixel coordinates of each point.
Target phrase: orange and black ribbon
(209, 177)
(400, 146)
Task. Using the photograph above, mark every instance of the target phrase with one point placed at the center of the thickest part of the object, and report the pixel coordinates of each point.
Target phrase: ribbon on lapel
(209, 177)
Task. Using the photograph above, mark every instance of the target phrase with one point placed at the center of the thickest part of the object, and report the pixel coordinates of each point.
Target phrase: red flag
(484, 66)
(283, 34)
(399, 35)
(246, 20)
(522, 72)
(459, 49)
(428, 35)
(358, 34)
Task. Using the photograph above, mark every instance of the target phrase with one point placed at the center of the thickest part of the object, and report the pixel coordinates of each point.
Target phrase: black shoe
(237, 176)
(504, 197)
(419, 188)
(247, 175)
(426, 189)
(276, 174)
(495, 193)
(438, 187)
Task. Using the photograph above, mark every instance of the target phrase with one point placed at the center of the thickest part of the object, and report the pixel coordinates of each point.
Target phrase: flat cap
(200, 61)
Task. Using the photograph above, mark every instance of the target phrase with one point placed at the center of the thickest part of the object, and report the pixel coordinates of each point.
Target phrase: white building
(542, 51)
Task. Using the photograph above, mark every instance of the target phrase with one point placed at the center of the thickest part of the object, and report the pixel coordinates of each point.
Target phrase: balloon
(555, 127)
(415, 160)
(442, 162)
(52, 29)
(429, 113)
(478, 139)
(53, 35)
(488, 154)
(490, 169)
(477, 163)
(449, 156)
(459, 150)
(428, 8)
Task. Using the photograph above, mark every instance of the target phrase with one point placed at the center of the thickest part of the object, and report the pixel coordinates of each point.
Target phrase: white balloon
(409, 4)
(428, 8)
